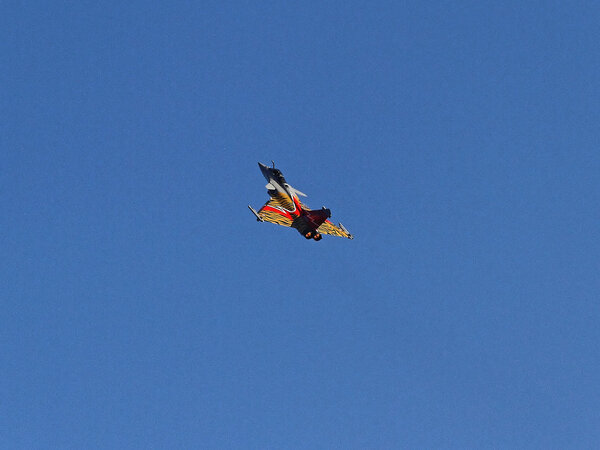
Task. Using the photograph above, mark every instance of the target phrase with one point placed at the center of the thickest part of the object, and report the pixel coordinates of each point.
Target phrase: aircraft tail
(316, 217)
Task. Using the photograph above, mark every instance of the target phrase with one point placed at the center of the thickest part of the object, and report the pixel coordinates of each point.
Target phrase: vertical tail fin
(317, 217)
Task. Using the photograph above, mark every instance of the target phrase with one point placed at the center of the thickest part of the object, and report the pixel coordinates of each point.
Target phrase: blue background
(142, 304)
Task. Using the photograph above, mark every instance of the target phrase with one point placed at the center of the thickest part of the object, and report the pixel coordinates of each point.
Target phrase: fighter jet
(285, 208)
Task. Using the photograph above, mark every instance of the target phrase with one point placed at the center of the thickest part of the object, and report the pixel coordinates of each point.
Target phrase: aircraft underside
(285, 209)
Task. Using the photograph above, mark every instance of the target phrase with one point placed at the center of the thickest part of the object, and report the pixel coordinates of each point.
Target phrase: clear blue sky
(142, 304)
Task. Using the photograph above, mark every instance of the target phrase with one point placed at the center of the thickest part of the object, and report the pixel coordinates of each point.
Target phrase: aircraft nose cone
(264, 169)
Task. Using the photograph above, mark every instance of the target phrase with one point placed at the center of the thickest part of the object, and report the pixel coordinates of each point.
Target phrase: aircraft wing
(272, 211)
(328, 227)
